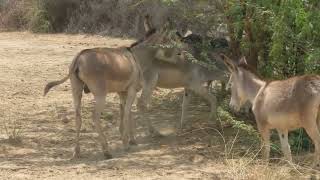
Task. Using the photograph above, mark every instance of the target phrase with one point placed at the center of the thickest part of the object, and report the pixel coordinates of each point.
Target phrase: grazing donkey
(194, 43)
(111, 70)
(283, 105)
(176, 74)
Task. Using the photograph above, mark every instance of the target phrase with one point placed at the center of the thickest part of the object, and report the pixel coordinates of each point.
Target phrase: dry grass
(10, 126)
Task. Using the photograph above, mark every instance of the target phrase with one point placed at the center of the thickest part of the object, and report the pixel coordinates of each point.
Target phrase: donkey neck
(252, 85)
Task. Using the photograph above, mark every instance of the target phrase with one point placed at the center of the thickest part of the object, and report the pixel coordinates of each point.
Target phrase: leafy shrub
(40, 22)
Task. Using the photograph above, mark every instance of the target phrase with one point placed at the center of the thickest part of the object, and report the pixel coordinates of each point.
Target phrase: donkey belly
(284, 120)
(103, 74)
(171, 78)
(116, 86)
(169, 83)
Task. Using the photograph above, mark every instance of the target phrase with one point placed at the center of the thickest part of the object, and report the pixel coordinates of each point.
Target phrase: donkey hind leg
(148, 87)
(123, 97)
(283, 135)
(318, 118)
(129, 130)
(77, 88)
(265, 137)
(312, 130)
(132, 141)
(185, 102)
(202, 91)
(98, 108)
(132, 130)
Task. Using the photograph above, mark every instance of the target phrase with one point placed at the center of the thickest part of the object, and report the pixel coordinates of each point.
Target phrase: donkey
(283, 105)
(183, 73)
(110, 70)
(194, 44)
(176, 74)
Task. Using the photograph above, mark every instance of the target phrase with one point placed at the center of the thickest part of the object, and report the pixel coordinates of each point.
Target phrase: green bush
(40, 22)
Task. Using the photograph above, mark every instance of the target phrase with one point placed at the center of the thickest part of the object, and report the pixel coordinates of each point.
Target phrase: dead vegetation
(11, 128)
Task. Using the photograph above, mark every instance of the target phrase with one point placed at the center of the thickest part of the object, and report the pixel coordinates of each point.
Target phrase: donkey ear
(147, 23)
(229, 63)
(243, 60)
(178, 34)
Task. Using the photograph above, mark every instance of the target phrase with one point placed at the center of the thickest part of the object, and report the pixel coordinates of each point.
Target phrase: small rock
(197, 158)
(65, 120)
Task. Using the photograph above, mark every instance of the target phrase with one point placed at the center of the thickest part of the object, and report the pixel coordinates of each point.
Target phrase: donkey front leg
(128, 124)
(149, 85)
(202, 91)
(185, 103)
(99, 106)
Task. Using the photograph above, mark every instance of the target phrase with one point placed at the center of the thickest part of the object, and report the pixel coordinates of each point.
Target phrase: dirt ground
(37, 133)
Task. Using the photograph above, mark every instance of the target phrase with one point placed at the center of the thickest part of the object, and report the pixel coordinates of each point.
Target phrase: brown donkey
(283, 105)
(111, 70)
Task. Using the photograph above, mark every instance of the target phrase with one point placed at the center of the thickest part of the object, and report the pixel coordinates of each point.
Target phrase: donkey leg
(185, 102)
(318, 118)
(209, 86)
(202, 91)
(128, 132)
(148, 87)
(132, 141)
(123, 97)
(283, 135)
(99, 106)
(77, 88)
(265, 137)
(132, 129)
(313, 132)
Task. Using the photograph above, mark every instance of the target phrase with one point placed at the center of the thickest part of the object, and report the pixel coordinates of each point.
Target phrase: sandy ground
(41, 129)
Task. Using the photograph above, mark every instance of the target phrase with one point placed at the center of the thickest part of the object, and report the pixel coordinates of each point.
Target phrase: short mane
(141, 40)
(249, 68)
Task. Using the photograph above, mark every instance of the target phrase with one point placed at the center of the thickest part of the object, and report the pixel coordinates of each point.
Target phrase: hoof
(76, 153)
(316, 165)
(133, 143)
(75, 156)
(107, 155)
(154, 133)
(216, 124)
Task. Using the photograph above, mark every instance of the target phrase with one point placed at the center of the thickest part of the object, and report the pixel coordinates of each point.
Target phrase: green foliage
(299, 141)
(286, 36)
(236, 123)
(40, 21)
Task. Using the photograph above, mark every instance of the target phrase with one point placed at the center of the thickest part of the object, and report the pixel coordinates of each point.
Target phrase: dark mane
(249, 68)
(148, 34)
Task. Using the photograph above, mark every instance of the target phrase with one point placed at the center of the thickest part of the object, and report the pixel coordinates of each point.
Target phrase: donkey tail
(54, 83)
(73, 68)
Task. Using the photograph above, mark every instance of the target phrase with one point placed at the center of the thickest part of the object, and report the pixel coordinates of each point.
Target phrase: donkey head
(237, 82)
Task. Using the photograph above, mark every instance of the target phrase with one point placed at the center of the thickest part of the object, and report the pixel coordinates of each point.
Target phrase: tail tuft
(52, 84)
(48, 87)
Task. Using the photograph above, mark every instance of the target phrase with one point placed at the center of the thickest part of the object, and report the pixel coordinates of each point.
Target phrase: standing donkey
(172, 74)
(283, 105)
(111, 70)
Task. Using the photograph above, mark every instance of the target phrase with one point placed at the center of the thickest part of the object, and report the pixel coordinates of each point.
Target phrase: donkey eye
(179, 54)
